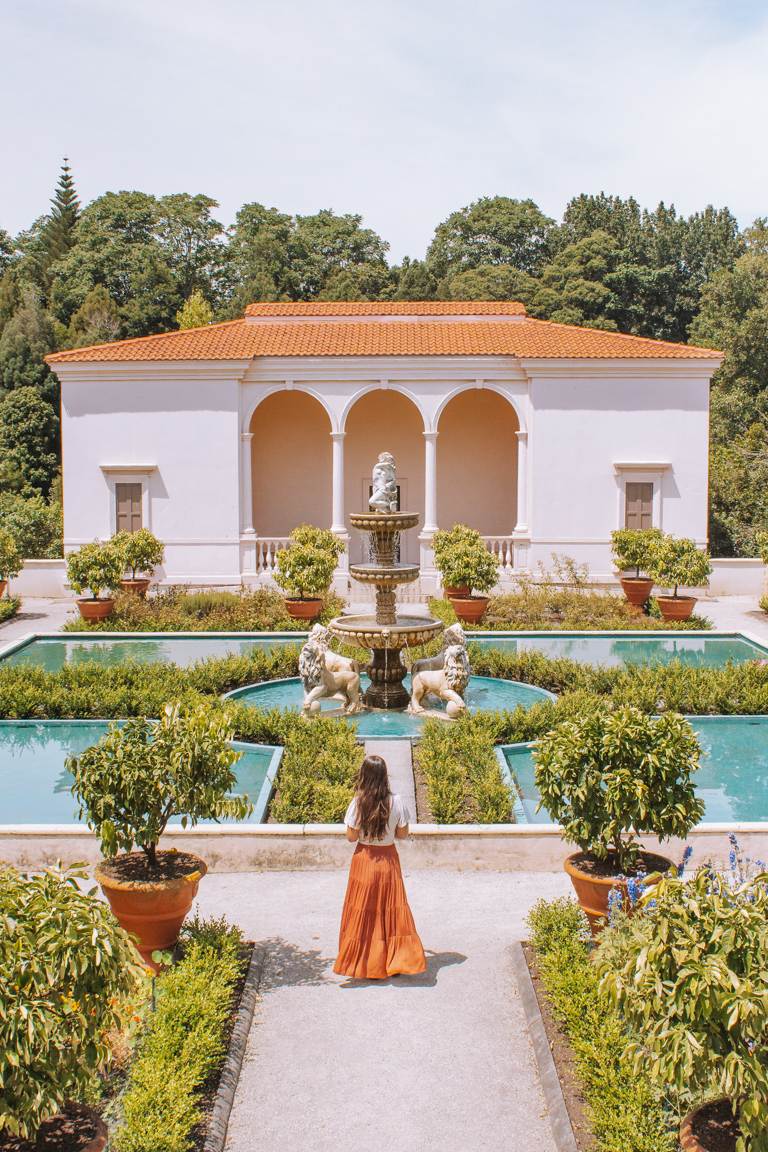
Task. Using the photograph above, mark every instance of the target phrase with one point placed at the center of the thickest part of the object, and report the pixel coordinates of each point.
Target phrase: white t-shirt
(398, 818)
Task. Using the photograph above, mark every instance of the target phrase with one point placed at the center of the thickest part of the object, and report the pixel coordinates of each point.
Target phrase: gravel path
(441, 1061)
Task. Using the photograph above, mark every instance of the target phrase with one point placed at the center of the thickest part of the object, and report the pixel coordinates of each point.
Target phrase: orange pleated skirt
(378, 937)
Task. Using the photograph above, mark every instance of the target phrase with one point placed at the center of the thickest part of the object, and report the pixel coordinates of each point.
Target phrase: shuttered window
(128, 500)
(639, 505)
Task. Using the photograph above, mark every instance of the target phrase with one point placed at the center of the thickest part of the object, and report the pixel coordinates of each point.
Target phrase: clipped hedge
(461, 771)
(625, 1112)
(549, 608)
(184, 1044)
(318, 770)
(9, 606)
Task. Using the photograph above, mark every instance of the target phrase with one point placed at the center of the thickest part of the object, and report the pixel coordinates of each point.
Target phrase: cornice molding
(158, 370)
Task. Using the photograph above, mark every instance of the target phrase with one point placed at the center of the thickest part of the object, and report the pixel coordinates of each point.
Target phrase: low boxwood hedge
(461, 772)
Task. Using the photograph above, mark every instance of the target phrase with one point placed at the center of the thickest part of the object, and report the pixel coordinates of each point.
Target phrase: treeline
(131, 264)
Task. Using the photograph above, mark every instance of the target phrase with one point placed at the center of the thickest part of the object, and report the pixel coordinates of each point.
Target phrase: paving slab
(439, 1061)
(398, 755)
(37, 614)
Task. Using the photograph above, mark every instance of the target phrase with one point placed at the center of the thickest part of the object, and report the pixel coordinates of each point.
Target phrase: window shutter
(128, 500)
(639, 506)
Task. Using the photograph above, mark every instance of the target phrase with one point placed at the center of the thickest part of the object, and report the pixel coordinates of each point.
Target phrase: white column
(337, 500)
(430, 482)
(246, 484)
(521, 527)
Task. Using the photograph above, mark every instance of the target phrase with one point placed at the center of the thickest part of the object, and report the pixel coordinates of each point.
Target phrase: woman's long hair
(373, 797)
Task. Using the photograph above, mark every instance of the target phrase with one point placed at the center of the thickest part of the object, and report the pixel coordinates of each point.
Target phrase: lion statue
(448, 682)
(321, 636)
(454, 634)
(320, 682)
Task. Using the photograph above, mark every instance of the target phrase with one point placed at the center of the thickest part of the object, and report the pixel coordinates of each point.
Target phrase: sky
(399, 110)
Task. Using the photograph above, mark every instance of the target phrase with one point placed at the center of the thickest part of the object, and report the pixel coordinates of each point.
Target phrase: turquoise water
(608, 649)
(483, 694)
(34, 784)
(732, 780)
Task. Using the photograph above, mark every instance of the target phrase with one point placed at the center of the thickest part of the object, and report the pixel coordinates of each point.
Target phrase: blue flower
(686, 858)
(615, 902)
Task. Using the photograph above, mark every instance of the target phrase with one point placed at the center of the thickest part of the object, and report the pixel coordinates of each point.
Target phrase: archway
(384, 421)
(477, 463)
(290, 463)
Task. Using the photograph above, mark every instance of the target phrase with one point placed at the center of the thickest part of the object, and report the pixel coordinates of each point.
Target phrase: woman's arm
(401, 833)
(352, 834)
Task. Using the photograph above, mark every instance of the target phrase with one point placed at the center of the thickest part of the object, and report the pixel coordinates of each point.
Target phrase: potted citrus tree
(129, 786)
(675, 563)
(69, 971)
(11, 561)
(141, 552)
(688, 976)
(609, 776)
(95, 568)
(305, 570)
(465, 566)
(632, 549)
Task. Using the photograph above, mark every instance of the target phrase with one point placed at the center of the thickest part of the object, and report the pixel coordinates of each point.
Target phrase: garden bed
(9, 607)
(546, 608)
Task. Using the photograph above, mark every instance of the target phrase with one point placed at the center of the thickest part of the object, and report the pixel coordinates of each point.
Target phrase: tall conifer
(65, 209)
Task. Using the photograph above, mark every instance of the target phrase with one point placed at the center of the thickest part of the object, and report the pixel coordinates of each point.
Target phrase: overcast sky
(401, 110)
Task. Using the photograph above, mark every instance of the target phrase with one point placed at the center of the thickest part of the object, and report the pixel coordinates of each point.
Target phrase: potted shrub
(678, 562)
(633, 549)
(465, 564)
(95, 568)
(11, 562)
(688, 975)
(141, 552)
(68, 971)
(305, 570)
(608, 776)
(129, 785)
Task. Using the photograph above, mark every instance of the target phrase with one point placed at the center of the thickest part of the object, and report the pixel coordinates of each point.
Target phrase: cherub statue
(383, 498)
(454, 634)
(320, 682)
(448, 683)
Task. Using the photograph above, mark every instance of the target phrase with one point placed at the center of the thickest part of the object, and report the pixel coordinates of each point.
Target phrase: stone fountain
(385, 633)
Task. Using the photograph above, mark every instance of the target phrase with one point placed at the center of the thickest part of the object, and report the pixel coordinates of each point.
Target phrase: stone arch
(250, 411)
(290, 462)
(477, 462)
(390, 387)
(384, 420)
(488, 386)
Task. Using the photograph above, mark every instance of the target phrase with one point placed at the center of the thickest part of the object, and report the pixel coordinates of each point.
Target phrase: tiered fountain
(385, 633)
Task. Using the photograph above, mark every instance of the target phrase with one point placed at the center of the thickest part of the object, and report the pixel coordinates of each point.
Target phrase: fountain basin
(363, 631)
(379, 523)
(384, 576)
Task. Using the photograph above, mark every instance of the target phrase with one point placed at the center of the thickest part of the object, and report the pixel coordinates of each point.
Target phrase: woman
(378, 937)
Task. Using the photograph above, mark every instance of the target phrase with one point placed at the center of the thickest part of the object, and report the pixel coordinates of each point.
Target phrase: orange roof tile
(391, 308)
(523, 338)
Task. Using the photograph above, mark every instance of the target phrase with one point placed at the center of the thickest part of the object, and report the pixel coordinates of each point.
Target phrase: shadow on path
(428, 979)
(286, 966)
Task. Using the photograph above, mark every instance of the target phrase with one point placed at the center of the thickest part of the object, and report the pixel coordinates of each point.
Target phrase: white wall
(184, 429)
(580, 428)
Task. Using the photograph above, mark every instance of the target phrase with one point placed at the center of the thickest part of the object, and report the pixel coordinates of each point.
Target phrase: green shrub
(65, 970)
(95, 568)
(317, 774)
(140, 551)
(185, 1042)
(548, 608)
(626, 1112)
(11, 562)
(610, 775)
(9, 606)
(688, 977)
(462, 559)
(135, 779)
(462, 773)
(679, 562)
(36, 526)
(633, 548)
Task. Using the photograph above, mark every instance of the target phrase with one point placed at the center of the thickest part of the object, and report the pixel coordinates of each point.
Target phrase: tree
(29, 430)
(35, 526)
(196, 312)
(7, 251)
(359, 282)
(26, 339)
(325, 244)
(489, 282)
(259, 255)
(492, 230)
(192, 243)
(574, 288)
(59, 230)
(97, 320)
(414, 281)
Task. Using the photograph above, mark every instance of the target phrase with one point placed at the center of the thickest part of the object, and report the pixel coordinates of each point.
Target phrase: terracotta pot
(51, 1129)
(470, 609)
(637, 589)
(95, 609)
(138, 587)
(695, 1125)
(454, 591)
(304, 609)
(593, 892)
(151, 910)
(3, 586)
(676, 607)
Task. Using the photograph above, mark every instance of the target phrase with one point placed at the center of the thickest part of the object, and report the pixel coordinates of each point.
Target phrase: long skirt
(378, 937)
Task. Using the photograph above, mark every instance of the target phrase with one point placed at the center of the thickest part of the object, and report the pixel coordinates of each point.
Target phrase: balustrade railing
(502, 548)
(267, 548)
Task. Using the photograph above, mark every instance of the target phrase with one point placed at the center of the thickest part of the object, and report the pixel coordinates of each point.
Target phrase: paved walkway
(442, 1061)
(37, 614)
(736, 614)
(399, 757)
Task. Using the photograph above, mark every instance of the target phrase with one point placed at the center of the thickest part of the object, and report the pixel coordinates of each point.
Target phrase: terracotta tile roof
(523, 338)
(391, 308)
